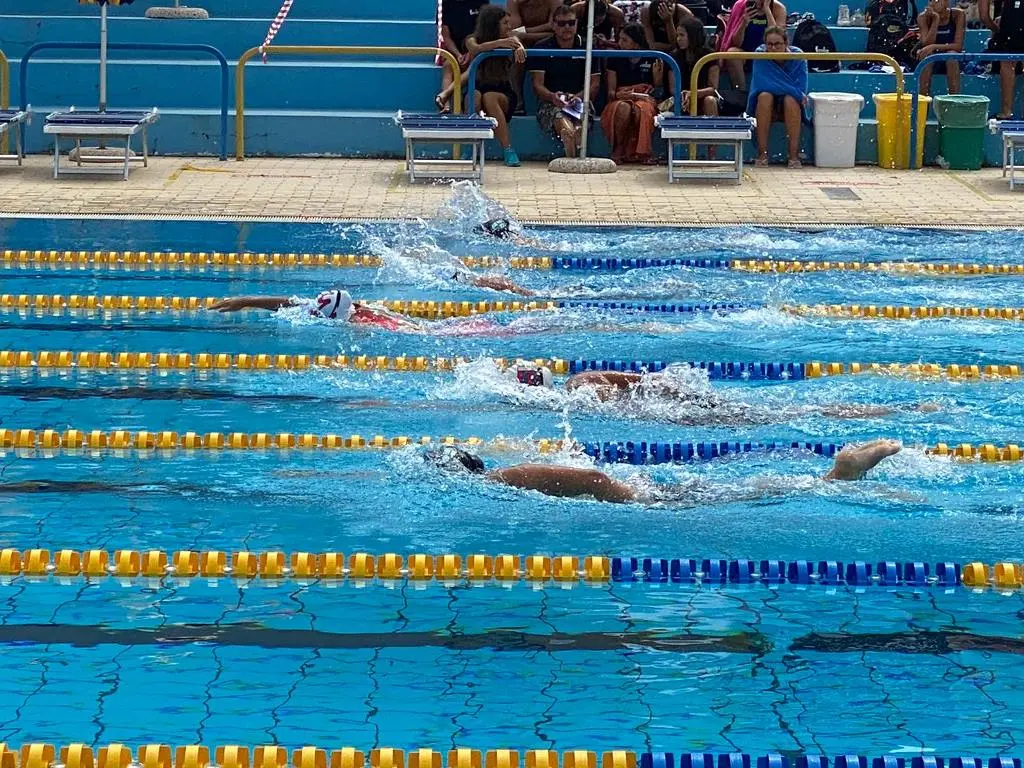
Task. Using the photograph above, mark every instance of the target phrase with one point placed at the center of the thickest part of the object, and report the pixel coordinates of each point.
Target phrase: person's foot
(511, 158)
(1004, 116)
(762, 160)
(794, 162)
(853, 462)
(442, 104)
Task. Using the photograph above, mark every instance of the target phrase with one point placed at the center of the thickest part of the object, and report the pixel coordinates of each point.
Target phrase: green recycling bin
(962, 123)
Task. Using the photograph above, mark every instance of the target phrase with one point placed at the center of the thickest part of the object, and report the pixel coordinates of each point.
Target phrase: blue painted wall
(305, 105)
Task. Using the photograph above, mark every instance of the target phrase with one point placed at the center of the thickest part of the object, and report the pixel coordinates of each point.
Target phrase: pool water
(830, 670)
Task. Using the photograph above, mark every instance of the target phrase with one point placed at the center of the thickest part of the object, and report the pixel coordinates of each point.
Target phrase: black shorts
(513, 100)
(1011, 42)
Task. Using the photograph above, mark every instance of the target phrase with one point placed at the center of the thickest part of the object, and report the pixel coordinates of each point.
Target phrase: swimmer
(615, 385)
(851, 463)
(332, 305)
(502, 228)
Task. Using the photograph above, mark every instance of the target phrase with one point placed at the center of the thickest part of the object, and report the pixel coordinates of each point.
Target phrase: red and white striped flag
(275, 26)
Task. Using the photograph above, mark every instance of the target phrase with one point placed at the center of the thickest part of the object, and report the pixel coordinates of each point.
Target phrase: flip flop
(442, 104)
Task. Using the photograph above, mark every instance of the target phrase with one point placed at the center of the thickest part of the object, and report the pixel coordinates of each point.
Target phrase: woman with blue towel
(778, 91)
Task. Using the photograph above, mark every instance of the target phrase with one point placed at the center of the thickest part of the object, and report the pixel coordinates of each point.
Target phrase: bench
(11, 121)
(115, 125)
(714, 131)
(421, 128)
(1013, 139)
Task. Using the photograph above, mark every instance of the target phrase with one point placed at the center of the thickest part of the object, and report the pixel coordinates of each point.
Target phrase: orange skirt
(637, 142)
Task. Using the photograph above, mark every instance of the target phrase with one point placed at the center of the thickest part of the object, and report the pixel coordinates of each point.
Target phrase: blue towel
(780, 78)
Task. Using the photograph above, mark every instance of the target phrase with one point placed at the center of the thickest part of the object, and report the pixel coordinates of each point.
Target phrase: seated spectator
(748, 23)
(660, 19)
(458, 20)
(778, 91)
(608, 22)
(628, 119)
(1007, 37)
(942, 31)
(691, 47)
(559, 82)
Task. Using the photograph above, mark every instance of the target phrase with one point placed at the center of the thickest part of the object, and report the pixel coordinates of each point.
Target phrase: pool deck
(335, 189)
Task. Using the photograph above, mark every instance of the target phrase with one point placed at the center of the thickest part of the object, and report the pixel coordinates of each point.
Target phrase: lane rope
(12, 259)
(142, 362)
(640, 452)
(24, 302)
(155, 563)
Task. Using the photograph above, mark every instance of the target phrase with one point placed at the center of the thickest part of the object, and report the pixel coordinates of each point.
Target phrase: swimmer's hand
(237, 303)
(853, 462)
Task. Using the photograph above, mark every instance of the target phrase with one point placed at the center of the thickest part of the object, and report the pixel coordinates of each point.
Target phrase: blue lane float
(721, 371)
(656, 452)
(744, 760)
(637, 306)
(597, 264)
(859, 573)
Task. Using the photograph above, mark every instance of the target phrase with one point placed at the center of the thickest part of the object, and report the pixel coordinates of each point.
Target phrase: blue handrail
(573, 53)
(965, 58)
(88, 46)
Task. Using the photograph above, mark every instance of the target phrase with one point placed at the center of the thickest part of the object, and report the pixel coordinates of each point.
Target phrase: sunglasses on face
(566, 23)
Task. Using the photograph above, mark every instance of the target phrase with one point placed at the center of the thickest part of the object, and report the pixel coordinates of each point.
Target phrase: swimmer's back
(602, 379)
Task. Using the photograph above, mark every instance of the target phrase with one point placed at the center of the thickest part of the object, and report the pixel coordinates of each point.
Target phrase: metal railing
(328, 50)
(5, 95)
(880, 57)
(965, 58)
(578, 53)
(95, 46)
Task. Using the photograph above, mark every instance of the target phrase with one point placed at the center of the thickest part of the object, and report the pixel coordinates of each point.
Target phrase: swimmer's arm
(564, 482)
(498, 283)
(236, 303)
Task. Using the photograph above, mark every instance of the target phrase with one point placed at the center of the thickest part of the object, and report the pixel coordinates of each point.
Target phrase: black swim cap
(500, 228)
(451, 459)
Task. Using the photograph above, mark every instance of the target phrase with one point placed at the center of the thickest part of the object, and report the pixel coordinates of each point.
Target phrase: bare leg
(926, 80)
(855, 460)
(791, 117)
(1007, 77)
(763, 114)
(737, 77)
(709, 106)
(494, 105)
(447, 86)
(567, 132)
(953, 76)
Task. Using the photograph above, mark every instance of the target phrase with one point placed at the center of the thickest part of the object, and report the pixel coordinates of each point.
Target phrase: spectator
(458, 20)
(608, 22)
(691, 47)
(1007, 37)
(559, 82)
(531, 19)
(778, 91)
(942, 31)
(628, 119)
(748, 23)
(494, 92)
(660, 19)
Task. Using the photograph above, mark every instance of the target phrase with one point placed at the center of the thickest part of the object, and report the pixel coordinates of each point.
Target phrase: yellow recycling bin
(894, 129)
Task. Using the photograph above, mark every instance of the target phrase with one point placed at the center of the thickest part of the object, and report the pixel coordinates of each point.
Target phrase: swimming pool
(830, 669)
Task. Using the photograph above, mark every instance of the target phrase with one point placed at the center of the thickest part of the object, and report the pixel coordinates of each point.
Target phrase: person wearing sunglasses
(559, 82)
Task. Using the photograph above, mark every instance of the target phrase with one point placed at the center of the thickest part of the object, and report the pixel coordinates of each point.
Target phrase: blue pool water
(823, 670)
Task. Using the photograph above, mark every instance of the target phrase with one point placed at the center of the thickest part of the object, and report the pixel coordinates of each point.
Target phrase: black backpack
(812, 36)
(891, 34)
(903, 9)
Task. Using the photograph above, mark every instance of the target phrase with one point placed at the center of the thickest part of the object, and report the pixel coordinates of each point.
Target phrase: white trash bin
(836, 116)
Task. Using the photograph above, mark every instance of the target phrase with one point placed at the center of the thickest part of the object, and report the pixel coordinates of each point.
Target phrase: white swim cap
(334, 304)
(530, 375)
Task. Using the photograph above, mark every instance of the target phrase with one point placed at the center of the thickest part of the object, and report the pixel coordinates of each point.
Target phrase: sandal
(442, 104)
(761, 161)
(794, 162)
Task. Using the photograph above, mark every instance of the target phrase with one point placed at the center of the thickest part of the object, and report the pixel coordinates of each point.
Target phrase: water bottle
(857, 20)
(843, 16)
